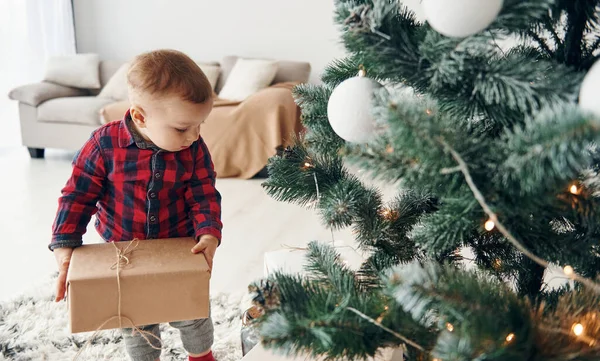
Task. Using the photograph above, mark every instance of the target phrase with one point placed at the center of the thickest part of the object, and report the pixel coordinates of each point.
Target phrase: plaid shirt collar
(128, 135)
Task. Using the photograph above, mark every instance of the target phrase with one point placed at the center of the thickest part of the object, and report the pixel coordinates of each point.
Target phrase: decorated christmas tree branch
(494, 218)
(392, 332)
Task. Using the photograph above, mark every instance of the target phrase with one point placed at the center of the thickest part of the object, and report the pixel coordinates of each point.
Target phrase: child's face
(169, 122)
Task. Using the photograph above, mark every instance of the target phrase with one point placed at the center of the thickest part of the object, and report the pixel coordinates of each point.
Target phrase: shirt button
(152, 218)
(152, 195)
(157, 175)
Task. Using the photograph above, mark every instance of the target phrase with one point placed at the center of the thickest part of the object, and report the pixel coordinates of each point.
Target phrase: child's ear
(137, 115)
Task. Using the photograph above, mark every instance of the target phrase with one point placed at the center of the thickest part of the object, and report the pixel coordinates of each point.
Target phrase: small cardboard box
(160, 281)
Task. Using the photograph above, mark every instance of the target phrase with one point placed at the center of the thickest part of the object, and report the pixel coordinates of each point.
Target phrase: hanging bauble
(589, 94)
(461, 18)
(350, 109)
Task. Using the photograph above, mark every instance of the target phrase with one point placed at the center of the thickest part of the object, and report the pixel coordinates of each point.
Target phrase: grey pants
(196, 335)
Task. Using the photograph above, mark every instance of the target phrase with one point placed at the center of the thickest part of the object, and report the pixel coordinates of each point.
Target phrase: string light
(429, 112)
(389, 149)
(510, 337)
(489, 225)
(574, 190)
(307, 165)
(578, 329)
(497, 263)
(389, 214)
(569, 271)
(449, 327)
(386, 308)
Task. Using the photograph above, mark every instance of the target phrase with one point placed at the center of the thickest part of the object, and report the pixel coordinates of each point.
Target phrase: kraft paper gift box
(293, 259)
(161, 280)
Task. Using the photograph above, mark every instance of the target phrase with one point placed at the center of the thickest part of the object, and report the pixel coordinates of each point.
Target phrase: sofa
(240, 133)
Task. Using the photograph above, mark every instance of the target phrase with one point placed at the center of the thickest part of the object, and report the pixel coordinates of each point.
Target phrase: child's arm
(76, 207)
(205, 204)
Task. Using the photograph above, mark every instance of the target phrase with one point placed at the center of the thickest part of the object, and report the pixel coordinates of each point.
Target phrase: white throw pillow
(247, 77)
(212, 73)
(116, 87)
(78, 71)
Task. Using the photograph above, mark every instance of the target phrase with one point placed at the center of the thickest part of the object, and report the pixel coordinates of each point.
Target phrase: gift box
(144, 282)
(293, 259)
(290, 260)
(259, 353)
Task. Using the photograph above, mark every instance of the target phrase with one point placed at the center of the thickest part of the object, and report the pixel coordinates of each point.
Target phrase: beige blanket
(242, 136)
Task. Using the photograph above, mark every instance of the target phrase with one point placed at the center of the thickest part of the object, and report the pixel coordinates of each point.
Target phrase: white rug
(34, 328)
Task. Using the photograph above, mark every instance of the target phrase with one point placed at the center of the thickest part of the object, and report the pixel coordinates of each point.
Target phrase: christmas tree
(488, 120)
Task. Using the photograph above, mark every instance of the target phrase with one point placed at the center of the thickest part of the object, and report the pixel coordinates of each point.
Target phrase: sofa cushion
(74, 110)
(287, 71)
(247, 77)
(78, 71)
(116, 88)
(212, 73)
(37, 93)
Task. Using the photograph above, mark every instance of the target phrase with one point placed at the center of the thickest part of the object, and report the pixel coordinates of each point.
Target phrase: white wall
(210, 29)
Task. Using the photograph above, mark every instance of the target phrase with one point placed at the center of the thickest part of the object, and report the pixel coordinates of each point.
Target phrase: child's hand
(63, 259)
(207, 245)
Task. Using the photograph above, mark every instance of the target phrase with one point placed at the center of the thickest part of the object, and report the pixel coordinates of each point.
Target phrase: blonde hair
(169, 72)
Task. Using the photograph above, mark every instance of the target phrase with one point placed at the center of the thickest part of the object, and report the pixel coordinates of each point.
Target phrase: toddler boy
(148, 176)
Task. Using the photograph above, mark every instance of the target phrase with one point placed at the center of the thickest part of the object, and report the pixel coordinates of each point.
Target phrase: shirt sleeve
(202, 197)
(77, 203)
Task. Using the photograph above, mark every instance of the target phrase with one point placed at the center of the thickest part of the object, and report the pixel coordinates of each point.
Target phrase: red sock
(207, 357)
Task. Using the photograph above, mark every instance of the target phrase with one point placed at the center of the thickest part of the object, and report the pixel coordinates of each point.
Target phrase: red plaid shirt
(137, 190)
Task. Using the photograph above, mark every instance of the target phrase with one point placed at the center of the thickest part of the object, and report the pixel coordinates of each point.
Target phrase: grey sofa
(56, 116)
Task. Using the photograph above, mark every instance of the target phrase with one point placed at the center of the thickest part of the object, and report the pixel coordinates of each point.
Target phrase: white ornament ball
(350, 109)
(461, 18)
(589, 93)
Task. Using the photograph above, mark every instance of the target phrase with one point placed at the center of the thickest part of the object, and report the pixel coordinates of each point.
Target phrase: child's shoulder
(108, 135)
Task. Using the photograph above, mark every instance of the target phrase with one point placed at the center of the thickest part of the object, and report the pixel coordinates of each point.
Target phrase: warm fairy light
(386, 308)
(307, 165)
(568, 270)
(429, 112)
(449, 327)
(389, 149)
(437, 359)
(379, 319)
(490, 225)
(497, 263)
(574, 189)
(578, 329)
(510, 337)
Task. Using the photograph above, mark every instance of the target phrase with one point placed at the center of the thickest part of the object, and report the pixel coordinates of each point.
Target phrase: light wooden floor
(253, 224)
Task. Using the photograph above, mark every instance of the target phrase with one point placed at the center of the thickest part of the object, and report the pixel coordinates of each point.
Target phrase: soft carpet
(34, 327)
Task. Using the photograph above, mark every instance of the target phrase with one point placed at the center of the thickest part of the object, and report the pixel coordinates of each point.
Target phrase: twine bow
(122, 260)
